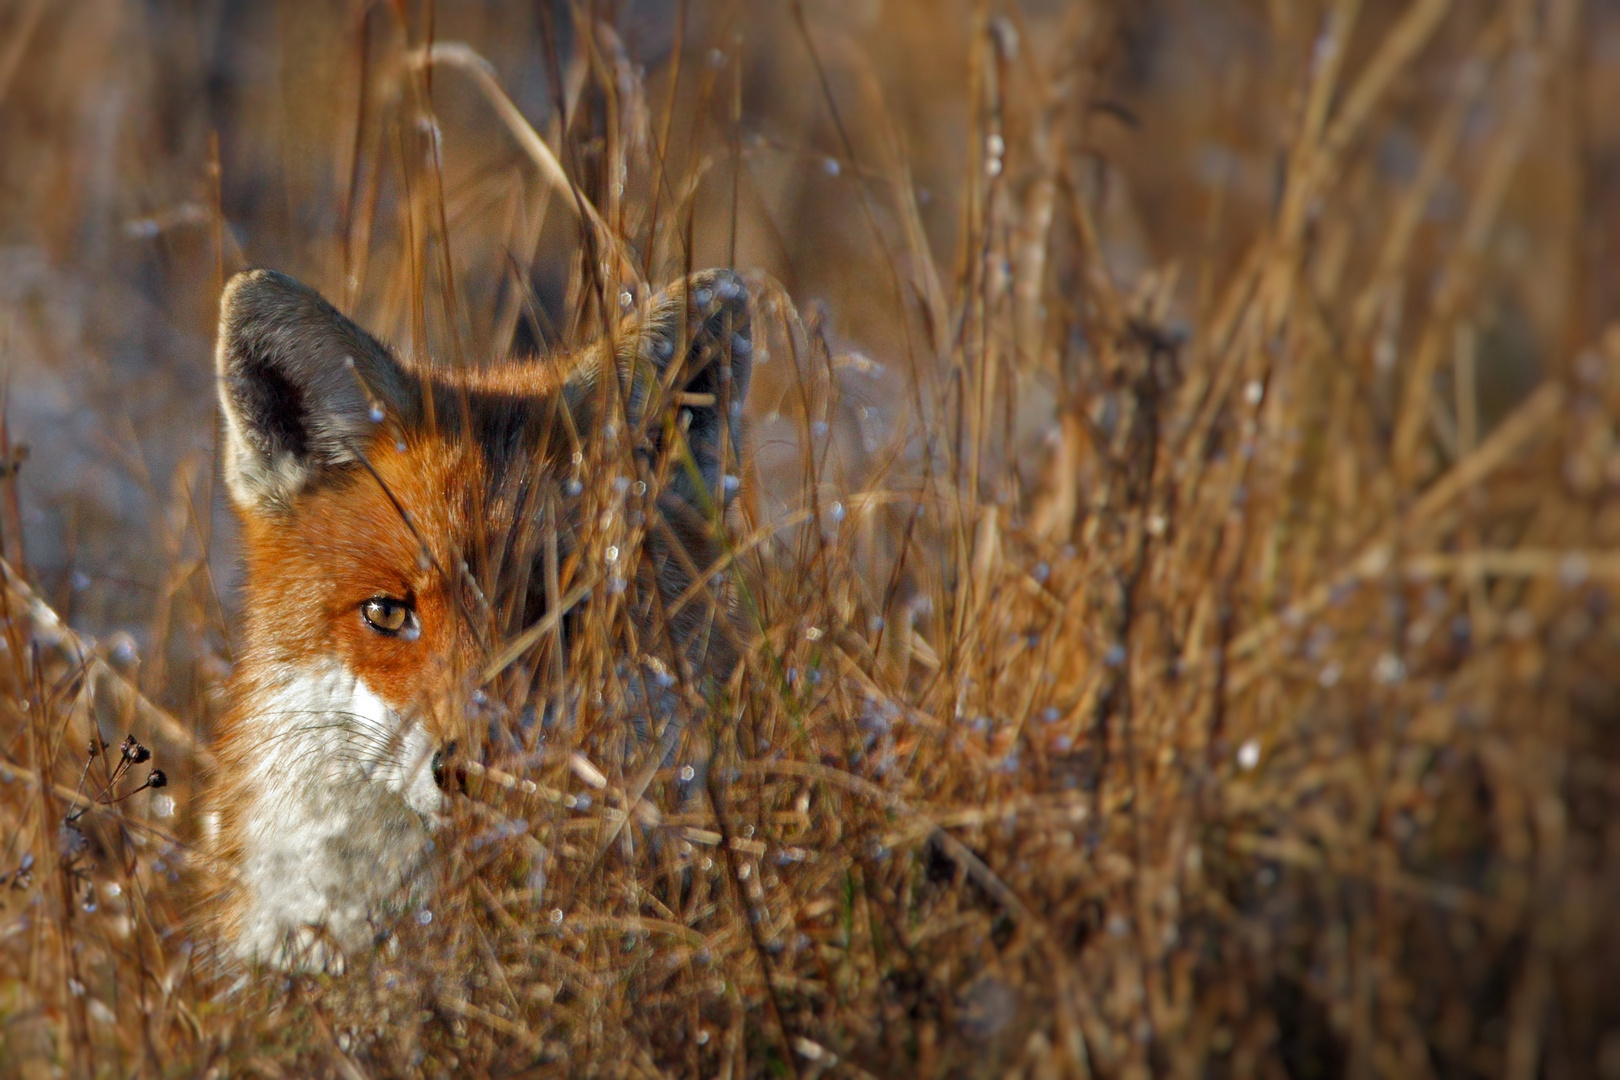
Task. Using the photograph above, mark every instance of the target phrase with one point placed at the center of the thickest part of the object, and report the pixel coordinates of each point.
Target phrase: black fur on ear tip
(301, 385)
(720, 316)
(253, 301)
(269, 320)
(697, 336)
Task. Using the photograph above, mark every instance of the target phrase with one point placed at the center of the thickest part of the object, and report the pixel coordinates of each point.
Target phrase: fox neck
(329, 805)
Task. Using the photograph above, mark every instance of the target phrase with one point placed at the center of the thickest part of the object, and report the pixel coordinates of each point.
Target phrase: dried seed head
(157, 779)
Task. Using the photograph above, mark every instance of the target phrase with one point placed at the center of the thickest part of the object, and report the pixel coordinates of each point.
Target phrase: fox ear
(303, 389)
(701, 328)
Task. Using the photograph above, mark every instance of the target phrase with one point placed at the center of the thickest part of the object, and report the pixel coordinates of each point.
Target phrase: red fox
(401, 524)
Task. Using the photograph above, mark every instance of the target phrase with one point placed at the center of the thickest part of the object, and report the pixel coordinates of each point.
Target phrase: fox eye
(441, 766)
(394, 618)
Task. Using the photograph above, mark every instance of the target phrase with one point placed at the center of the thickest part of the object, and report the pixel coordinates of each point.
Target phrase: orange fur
(429, 501)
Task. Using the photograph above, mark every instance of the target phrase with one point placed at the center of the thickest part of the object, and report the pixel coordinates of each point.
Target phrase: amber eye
(392, 617)
(442, 774)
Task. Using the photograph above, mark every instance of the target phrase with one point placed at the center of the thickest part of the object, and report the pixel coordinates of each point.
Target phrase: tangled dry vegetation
(1177, 584)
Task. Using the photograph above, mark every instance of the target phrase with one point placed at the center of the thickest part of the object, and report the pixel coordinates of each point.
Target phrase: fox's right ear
(302, 388)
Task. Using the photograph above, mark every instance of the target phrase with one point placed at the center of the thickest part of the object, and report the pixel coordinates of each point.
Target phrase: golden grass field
(1177, 577)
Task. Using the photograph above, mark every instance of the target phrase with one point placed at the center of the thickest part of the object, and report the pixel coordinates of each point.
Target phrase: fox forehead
(380, 528)
(422, 483)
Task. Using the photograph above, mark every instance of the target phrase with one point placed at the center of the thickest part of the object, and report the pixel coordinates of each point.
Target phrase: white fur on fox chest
(342, 801)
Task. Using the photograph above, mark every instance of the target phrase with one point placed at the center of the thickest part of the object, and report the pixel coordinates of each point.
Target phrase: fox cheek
(419, 675)
(401, 673)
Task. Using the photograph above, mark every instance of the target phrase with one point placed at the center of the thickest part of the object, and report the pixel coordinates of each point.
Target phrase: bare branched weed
(1174, 663)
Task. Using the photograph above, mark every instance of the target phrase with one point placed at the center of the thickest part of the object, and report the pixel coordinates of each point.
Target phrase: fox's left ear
(696, 338)
(303, 389)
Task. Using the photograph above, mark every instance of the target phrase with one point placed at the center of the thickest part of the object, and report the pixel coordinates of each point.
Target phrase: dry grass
(1178, 589)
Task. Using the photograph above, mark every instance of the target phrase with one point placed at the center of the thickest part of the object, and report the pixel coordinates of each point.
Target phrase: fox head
(411, 532)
